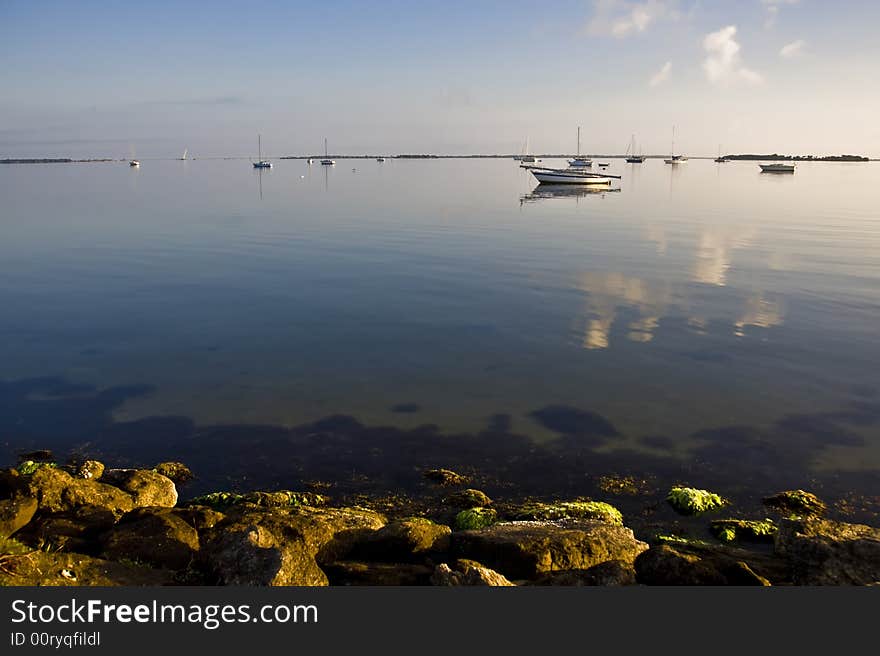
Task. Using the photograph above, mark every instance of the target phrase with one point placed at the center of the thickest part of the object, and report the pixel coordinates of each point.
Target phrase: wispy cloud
(216, 100)
(793, 49)
(662, 75)
(622, 18)
(771, 10)
(723, 63)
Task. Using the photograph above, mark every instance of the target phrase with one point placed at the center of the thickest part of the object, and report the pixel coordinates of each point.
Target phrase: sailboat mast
(579, 140)
(259, 148)
(673, 141)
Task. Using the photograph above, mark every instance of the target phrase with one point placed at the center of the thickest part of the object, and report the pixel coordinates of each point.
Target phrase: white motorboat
(134, 162)
(327, 161)
(261, 163)
(569, 176)
(380, 159)
(310, 160)
(777, 167)
(578, 161)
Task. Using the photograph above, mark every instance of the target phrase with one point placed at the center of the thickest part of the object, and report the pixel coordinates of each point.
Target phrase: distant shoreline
(743, 157)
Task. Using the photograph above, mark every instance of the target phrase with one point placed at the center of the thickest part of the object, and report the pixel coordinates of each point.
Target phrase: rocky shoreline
(87, 524)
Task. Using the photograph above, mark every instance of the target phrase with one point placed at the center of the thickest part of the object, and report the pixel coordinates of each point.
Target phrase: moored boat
(631, 157)
(777, 167)
(569, 176)
(673, 158)
(261, 163)
(327, 161)
(578, 161)
(134, 162)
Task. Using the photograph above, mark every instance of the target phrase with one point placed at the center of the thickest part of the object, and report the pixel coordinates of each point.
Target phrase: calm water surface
(695, 322)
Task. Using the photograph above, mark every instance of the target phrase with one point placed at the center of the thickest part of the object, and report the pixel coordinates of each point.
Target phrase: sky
(115, 79)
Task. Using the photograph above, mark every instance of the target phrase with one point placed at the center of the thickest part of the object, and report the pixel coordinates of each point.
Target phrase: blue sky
(112, 79)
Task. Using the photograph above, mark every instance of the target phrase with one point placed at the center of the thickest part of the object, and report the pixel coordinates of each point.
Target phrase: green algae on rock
(28, 467)
(729, 530)
(692, 501)
(475, 518)
(578, 509)
(468, 499)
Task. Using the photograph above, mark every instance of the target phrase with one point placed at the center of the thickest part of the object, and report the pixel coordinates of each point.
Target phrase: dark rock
(404, 539)
(823, 552)
(176, 471)
(248, 551)
(72, 530)
(697, 564)
(347, 572)
(147, 488)
(610, 573)
(42, 568)
(445, 477)
(523, 550)
(158, 536)
(468, 499)
(199, 517)
(468, 572)
(331, 533)
(273, 546)
(664, 565)
(57, 491)
(15, 513)
(796, 502)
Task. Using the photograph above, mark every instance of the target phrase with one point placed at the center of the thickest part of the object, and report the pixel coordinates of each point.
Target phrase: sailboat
(526, 158)
(631, 157)
(261, 163)
(579, 161)
(327, 161)
(185, 151)
(673, 158)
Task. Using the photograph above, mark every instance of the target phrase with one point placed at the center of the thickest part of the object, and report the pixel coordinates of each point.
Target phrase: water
(705, 323)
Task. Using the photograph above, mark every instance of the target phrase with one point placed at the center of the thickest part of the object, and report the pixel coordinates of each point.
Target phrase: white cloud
(621, 18)
(723, 62)
(793, 49)
(662, 75)
(771, 7)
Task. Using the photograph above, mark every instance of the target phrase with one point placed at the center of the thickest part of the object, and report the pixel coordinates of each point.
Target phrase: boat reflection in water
(546, 191)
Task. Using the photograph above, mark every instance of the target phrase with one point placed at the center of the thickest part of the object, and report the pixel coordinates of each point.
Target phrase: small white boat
(380, 159)
(777, 167)
(569, 176)
(310, 160)
(327, 161)
(185, 151)
(261, 163)
(134, 162)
